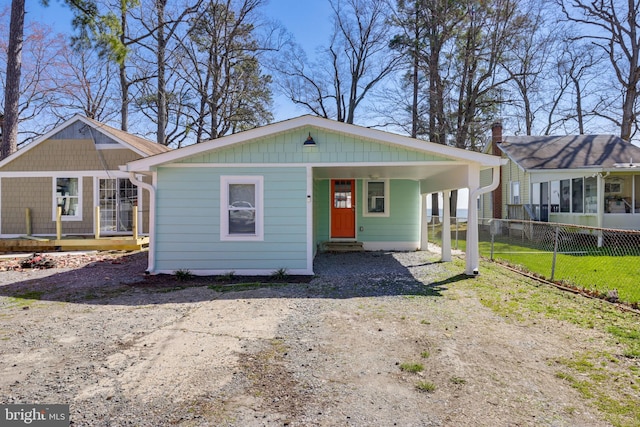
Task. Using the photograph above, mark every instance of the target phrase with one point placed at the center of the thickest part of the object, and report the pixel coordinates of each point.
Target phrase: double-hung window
(241, 208)
(376, 193)
(67, 195)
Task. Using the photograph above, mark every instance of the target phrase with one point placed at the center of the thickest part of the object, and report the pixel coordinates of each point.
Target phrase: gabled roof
(320, 123)
(569, 152)
(142, 146)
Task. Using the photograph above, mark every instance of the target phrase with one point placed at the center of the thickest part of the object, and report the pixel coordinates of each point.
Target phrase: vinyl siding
(403, 223)
(188, 221)
(510, 173)
(331, 148)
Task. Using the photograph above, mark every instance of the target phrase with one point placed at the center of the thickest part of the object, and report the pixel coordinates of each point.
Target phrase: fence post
(59, 223)
(135, 222)
(493, 233)
(96, 222)
(555, 252)
(456, 220)
(28, 221)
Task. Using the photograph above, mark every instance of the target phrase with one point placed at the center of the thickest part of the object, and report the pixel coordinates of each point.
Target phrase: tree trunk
(124, 102)
(9, 143)
(124, 84)
(162, 86)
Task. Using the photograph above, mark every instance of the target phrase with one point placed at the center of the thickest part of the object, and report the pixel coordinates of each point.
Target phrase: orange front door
(343, 208)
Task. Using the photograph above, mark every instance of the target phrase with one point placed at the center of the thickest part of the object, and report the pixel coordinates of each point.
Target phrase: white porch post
(472, 257)
(600, 206)
(446, 226)
(424, 225)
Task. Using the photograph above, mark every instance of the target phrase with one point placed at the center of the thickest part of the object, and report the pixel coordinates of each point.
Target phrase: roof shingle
(569, 152)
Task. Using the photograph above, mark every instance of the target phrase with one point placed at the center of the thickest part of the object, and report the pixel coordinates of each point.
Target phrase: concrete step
(352, 246)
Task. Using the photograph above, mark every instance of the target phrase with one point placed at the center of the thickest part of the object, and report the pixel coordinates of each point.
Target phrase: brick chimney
(496, 138)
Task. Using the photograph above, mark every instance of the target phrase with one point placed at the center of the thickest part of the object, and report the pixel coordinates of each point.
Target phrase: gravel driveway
(122, 348)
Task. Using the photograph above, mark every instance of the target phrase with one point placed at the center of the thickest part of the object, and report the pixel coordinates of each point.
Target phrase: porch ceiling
(414, 172)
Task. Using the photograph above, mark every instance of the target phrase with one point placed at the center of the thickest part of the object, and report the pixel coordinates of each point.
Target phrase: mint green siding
(402, 225)
(331, 148)
(188, 221)
(321, 210)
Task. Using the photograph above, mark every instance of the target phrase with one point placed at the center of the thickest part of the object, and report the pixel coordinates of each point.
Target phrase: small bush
(426, 386)
(411, 367)
(183, 275)
(279, 274)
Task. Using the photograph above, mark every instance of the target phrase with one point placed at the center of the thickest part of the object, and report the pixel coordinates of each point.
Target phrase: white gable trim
(325, 124)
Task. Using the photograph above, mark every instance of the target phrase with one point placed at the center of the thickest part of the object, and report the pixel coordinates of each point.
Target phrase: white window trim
(54, 201)
(225, 181)
(365, 199)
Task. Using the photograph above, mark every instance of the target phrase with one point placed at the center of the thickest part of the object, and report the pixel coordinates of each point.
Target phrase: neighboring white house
(591, 180)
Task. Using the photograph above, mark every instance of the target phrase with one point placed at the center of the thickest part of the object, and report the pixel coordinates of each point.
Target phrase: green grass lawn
(594, 272)
(606, 372)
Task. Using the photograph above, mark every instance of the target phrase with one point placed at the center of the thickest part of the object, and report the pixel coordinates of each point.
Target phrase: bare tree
(38, 82)
(85, 84)
(221, 63)
(528, 62)
(356, 60)
(617, 33)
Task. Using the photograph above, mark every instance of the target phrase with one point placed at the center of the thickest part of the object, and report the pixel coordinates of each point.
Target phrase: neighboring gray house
(268, 198)
(591, 180)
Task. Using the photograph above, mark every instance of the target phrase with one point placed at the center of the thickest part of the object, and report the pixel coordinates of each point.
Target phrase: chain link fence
(604, 262)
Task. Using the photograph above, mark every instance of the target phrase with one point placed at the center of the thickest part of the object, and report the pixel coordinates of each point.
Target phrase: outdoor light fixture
(309, 142)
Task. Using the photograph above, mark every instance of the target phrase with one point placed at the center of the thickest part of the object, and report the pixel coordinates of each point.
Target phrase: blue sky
(307, 20)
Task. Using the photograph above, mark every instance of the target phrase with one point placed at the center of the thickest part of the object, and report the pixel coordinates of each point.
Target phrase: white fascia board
(537, 175)
(325, 124)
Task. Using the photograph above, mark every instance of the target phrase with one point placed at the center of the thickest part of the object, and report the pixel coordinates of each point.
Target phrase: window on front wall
(67, 197)
(515, 192)
(377, 198)
(577, 195)
(565, 195)
(241, 208)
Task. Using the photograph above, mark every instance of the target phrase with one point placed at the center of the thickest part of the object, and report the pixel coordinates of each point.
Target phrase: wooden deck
(72, 243)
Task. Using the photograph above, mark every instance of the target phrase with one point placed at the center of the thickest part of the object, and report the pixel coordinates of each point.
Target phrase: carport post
(446, 226)
(424, 225)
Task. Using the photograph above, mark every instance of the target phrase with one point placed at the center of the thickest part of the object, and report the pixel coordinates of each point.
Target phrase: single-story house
(266, 199)
(74, 167)
(589, 180)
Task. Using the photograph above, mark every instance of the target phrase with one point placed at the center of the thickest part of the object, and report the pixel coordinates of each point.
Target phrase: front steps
(351, 246)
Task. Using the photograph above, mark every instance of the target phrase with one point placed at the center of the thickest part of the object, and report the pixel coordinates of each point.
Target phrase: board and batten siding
(332, 147)
(188, 221)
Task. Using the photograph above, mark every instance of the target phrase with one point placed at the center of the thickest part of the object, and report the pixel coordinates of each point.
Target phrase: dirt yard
(122, 348)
